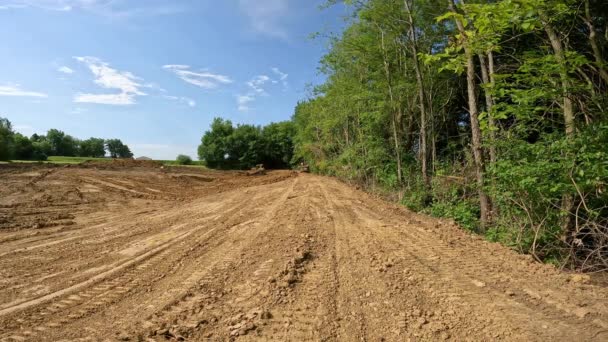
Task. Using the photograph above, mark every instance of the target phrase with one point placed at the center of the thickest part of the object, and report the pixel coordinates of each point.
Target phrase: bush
(183, 159)
(465, 213)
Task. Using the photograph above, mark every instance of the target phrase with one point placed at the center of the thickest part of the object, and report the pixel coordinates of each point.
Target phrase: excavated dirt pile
(122, 163)
(150, 254)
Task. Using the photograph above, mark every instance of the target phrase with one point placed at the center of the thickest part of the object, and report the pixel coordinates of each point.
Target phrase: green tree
(23, 148)
(244, 146)
(183, 159)
(6, 139)
(214, 147)
(92, 147)
(485, 99)
(278, 144)
(42, 147)
(61, 143)
(117, 149)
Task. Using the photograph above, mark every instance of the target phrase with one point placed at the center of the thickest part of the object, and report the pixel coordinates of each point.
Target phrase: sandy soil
(150, 254)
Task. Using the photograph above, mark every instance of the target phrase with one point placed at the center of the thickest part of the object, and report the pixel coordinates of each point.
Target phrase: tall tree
(6, 139)
(421, 95)
(117, 149)
(476, 138)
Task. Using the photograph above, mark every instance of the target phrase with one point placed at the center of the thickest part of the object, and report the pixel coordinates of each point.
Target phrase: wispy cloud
(109, 78)
(15, 90)
(266, 16)
(257, 83)
(257, 87)
(11, 6)
(282, 76)
(65, 70)
(182, 99)
(203, 78)
(243, 102)
(110, 8)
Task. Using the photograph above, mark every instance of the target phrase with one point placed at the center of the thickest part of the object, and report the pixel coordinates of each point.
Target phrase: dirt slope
(164, 255)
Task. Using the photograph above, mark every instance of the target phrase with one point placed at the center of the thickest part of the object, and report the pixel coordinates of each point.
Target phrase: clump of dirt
(294, 270)
(257, 170)
(242, 324)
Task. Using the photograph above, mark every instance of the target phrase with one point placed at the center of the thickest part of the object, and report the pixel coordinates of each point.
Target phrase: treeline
(225, 146)
(16, 146)
(489, 112)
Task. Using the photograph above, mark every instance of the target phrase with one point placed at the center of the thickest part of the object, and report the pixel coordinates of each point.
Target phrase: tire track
(475, 283)
(101, 296)
(219, 261)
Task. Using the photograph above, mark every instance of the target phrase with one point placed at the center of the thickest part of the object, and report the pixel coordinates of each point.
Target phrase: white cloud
(282, 76)
(110, 78)
(65, 70)
(190, 102)
(176, 66)
(109, 8)
(56, 5)
(266, 16)
(15, 90)
(121, 99)
(257, 83)
(256, 86)
(203, 79)
(243, 102)
(11, 6)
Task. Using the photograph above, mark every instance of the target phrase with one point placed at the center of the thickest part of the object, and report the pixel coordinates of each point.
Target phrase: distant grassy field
(75, 160)
(78, 160)
(62, 160)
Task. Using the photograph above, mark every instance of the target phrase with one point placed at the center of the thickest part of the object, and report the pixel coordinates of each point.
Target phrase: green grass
(62, 160)
(74, 160)
(78, 160)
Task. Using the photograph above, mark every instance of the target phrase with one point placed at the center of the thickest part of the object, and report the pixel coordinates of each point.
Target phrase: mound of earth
(122, 163)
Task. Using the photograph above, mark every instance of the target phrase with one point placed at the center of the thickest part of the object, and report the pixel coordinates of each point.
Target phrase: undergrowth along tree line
(16, 146)
(489, 112)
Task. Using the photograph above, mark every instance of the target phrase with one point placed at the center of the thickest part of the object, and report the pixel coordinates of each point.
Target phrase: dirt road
(147, 254)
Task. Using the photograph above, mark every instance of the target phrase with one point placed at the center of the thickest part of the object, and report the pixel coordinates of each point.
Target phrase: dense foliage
(492, 113)
(183, 159)
(15, 146)
(244, 146)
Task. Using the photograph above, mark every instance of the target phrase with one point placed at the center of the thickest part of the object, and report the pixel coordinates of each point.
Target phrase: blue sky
(154, 73)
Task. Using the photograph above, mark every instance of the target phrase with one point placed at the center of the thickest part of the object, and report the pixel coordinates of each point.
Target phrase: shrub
(183, 159)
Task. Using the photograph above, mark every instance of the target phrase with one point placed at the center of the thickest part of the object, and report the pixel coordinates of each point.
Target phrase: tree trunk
(489, 104)
(484, 201)
(597, 54)
(393, 111)
(560, 57)
(422, 98)
(568, 109)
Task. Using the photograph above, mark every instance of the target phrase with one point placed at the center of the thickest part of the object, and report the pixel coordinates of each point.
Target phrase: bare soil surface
(140, 253)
